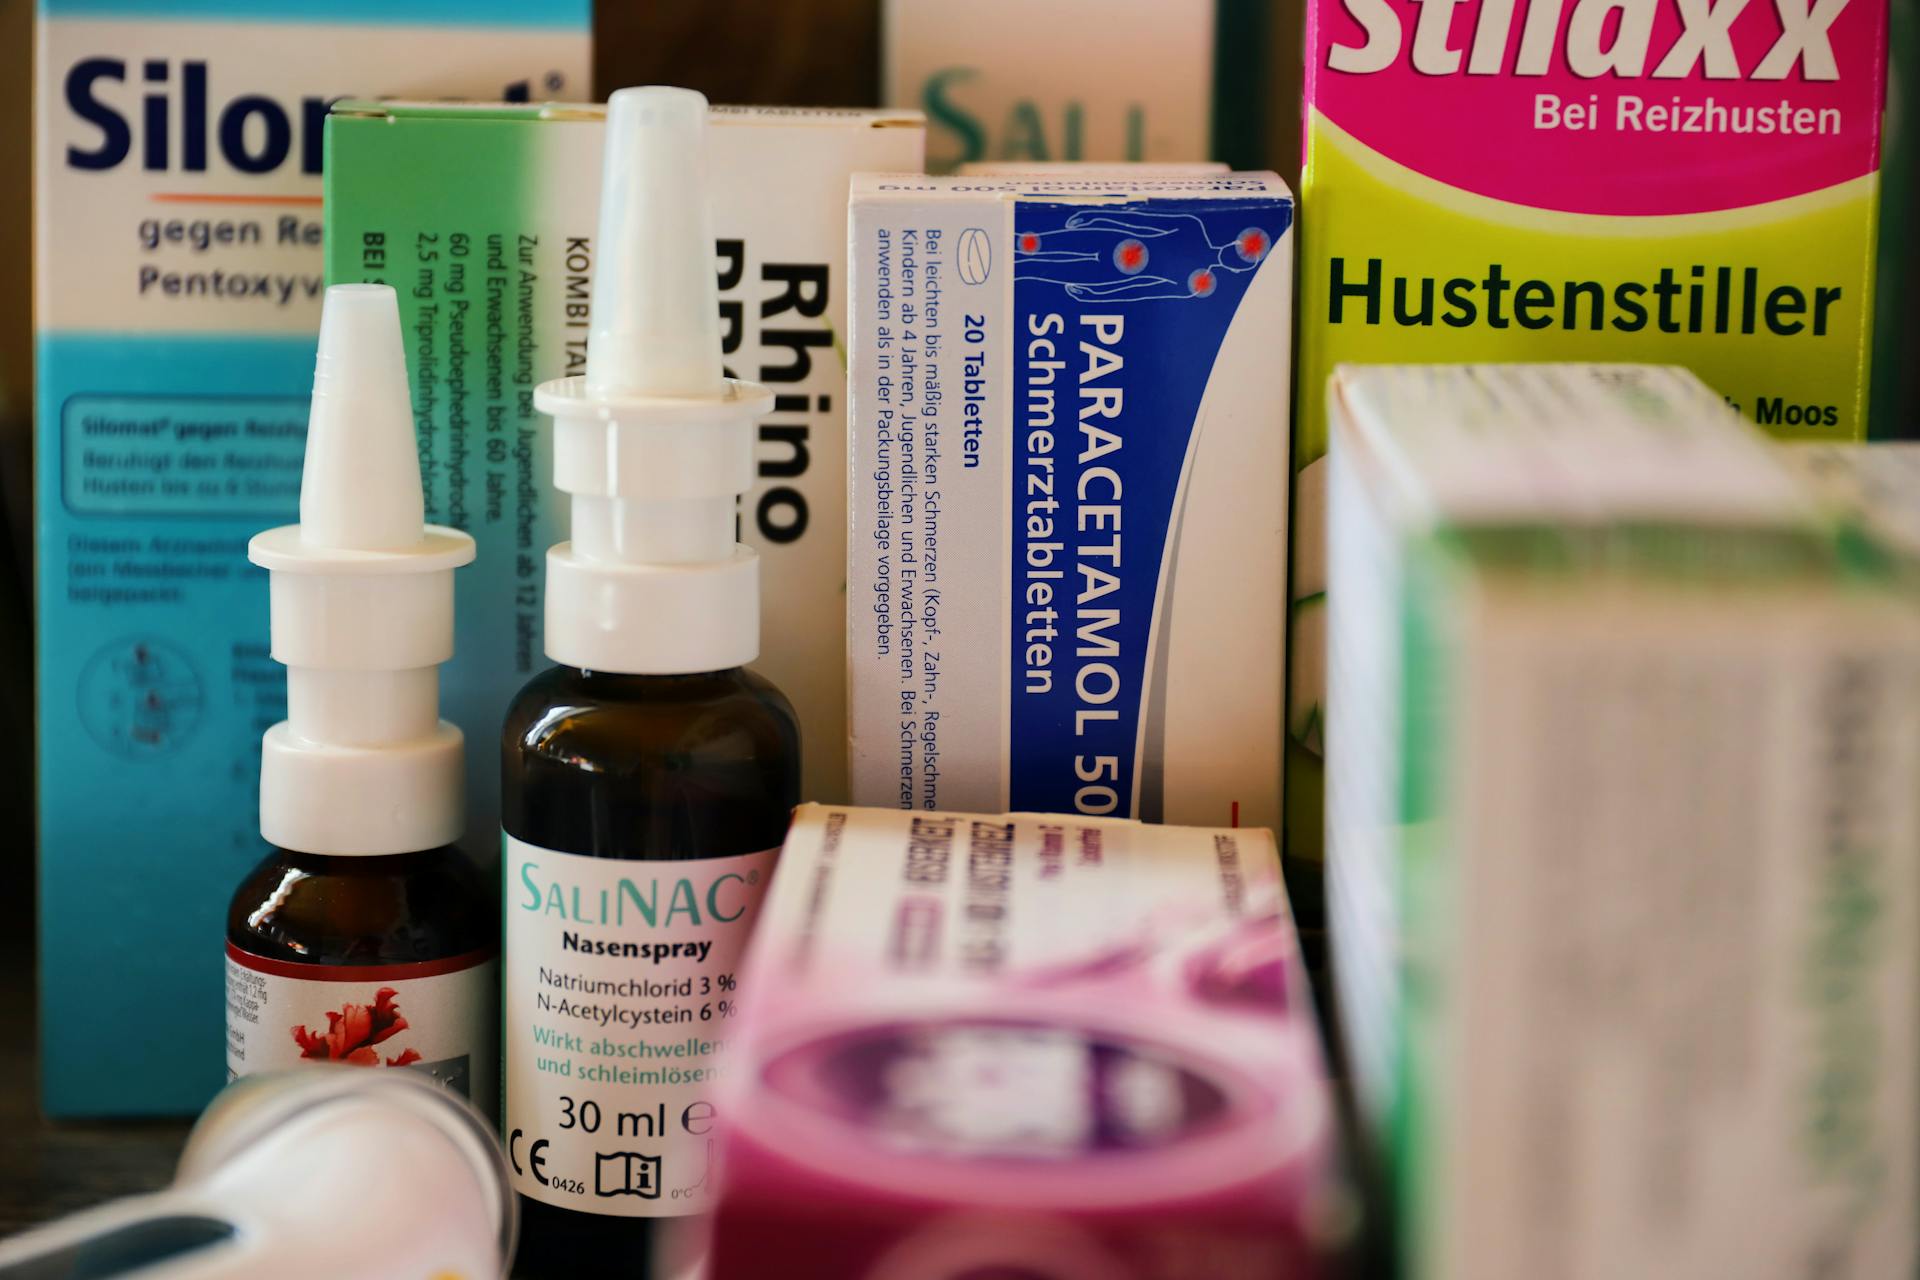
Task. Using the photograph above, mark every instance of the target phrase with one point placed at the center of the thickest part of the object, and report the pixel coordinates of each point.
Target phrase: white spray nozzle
(656, 304)
(361, 601)
(360, 488)
(654, 444)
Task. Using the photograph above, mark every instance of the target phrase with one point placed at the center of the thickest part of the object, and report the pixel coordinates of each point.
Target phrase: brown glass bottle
(399, 908)
(310, 934)
(638, 768)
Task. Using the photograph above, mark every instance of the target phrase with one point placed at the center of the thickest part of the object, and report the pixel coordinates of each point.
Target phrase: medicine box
(1099, 80)
(1622, 733)
(1663, 181)
(1874, 485)
(1025, 1045)
(1068, 506)
(177, 293)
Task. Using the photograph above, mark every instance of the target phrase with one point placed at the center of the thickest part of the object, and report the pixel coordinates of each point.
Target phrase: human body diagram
(1126, 255)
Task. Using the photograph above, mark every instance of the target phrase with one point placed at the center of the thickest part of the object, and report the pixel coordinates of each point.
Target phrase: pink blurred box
(1044, 1047)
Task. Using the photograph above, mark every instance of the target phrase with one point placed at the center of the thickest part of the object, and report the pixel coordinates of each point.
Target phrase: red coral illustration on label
(354, 1030)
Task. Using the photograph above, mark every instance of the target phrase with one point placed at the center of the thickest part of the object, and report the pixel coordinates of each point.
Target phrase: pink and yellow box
(1057, 1048)
(1669, 182)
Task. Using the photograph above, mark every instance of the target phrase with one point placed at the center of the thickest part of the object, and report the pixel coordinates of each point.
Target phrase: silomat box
(483, 218)
(1666, 182)
(177, 293)
(1025, 1045)
(1068, 509)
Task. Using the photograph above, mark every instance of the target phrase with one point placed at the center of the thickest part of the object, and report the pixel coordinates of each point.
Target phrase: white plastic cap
(361, 601)
(653, 443)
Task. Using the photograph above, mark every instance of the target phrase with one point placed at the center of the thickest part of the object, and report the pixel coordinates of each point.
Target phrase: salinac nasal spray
(646, 780)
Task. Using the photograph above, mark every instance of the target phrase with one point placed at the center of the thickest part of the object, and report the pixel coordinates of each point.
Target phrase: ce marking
(536, 1157)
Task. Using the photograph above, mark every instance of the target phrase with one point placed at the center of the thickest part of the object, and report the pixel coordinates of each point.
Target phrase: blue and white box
(1068, 499)
(177, 292)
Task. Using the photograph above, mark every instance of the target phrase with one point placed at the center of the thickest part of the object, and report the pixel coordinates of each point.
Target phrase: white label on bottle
(619, 992)
(436, 1016)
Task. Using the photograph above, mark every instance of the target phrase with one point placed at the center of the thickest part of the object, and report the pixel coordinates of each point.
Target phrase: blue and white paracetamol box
(178, 287)
(1068, 495)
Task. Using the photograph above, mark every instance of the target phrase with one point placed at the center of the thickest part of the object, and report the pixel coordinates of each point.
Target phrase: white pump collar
(654, 444)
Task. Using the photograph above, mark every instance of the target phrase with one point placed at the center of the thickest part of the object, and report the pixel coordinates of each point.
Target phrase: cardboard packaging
(1623, 832)
(483, 217)
(1636, 180)
(1024, 1045)
(1067, 523)
(177, 294)
(1874, 485)
(1068, 80)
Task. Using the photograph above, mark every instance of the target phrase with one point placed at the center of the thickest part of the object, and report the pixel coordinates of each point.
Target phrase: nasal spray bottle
(365, 937)
(647, 780)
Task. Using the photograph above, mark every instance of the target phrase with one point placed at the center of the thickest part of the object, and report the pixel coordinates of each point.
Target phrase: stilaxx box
(1622, 832)
(1024, 1045)
(178, 289)
(483, 218)
(1643, 180)
(1067, 516)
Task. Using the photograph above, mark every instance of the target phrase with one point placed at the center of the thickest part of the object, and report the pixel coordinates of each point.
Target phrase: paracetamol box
(178, 288)
(1067, 518)
(1073, 80)
(483, 218)
(1645, 180)
(1622, 737)
(1025, 1045)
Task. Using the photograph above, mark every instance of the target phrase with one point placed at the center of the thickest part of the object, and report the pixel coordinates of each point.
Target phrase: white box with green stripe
(1624, 841)
(177, 291)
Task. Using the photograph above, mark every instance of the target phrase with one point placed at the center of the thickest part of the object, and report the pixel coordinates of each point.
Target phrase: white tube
(362, 708)
(688, 531)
